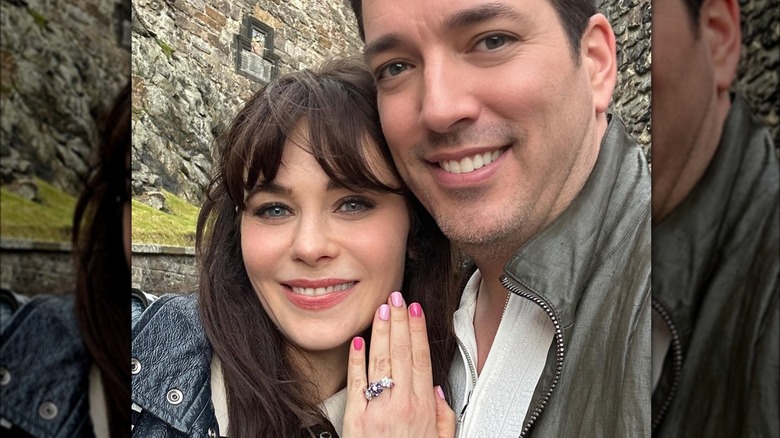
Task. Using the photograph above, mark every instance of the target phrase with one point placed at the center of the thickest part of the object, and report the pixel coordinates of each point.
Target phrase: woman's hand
(399, 349)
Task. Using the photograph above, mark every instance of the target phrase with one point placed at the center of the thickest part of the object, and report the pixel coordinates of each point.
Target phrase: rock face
(757, 75)
(187, 87)
(62, 64)
(631, 23)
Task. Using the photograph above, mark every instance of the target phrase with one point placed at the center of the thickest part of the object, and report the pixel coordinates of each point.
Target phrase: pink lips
(320, 302)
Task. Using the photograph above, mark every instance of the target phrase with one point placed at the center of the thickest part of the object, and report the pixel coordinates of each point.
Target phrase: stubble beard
(490, 238)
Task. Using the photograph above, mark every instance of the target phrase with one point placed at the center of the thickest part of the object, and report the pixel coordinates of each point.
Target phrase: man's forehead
(381, 17)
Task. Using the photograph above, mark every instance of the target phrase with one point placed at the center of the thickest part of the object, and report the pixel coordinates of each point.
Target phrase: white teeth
(315, 292)
(466, 165)
(478, 162)
(469, 164)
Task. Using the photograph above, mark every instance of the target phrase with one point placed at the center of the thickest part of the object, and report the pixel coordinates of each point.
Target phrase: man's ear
(599, 59)
(719, 23)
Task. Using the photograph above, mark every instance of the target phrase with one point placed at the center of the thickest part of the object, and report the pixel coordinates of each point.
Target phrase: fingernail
(357, 343)
(384, 312)
(397, 299)
(440, 393)
(415, 310)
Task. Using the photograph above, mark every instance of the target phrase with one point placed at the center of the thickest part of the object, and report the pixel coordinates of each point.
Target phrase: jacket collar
(689, 242)
(558, 262)
(174, 355)
(48, 365)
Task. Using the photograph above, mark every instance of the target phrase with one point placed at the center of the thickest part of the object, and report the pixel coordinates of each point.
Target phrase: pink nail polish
(415, 310)
(384, 312)
(357, 343)
(397, 299)
(440, 393)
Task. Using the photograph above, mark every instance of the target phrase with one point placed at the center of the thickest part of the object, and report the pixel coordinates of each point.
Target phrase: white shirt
(503, 391)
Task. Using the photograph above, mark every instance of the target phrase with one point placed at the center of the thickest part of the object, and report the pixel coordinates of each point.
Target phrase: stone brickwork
(61, 63)
(757, 76)
(33, 268)
(161, 269)
(631, 23)
(185, 83)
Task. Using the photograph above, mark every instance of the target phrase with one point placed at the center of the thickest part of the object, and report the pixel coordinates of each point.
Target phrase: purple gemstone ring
(375, 388)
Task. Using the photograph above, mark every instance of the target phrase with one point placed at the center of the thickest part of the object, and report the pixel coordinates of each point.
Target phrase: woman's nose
(314, 241)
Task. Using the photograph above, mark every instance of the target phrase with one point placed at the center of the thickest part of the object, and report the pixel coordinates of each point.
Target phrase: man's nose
(447, 98)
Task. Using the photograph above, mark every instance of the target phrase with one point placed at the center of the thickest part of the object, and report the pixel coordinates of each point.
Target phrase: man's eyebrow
(458, 20)
(471, 16)
(382, 44)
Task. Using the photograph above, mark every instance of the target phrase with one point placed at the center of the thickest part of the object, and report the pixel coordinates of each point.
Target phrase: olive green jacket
(590, 271)
(715, 282)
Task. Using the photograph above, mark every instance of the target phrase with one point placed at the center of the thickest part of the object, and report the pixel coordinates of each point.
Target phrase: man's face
(489, 119)
(683, 94)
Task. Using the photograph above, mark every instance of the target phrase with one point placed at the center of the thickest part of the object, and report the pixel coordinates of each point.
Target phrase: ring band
(375, 388)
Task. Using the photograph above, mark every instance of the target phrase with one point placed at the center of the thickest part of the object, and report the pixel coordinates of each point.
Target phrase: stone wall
(61, 64)
(757, 76)
(32, 268)
(186, 87)
(163, 269)
(631, 22)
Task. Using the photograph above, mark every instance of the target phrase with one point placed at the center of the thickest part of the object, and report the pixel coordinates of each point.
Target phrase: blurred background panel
(62, 63)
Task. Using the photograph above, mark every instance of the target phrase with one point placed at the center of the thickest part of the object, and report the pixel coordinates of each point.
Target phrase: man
(495, 114)
(715, 233)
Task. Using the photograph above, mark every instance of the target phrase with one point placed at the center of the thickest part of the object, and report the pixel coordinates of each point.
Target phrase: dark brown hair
(102, 271)
(573, 14)
(266, 395)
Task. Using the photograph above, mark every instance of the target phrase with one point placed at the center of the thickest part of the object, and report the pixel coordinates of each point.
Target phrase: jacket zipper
(676, 362)
(559, 343)
(472, 370)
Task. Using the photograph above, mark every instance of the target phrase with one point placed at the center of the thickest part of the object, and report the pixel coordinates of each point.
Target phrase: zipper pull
(463, 411)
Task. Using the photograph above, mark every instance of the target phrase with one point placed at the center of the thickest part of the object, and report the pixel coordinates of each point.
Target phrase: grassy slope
(50, 220)
(153, 226)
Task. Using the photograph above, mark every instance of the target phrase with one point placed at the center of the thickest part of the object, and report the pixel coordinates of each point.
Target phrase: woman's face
(322, 258)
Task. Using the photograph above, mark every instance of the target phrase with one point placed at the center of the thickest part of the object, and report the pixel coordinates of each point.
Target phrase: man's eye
(393, 69)
(493, 42)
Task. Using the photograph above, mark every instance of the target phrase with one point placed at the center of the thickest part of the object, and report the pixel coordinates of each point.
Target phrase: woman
(306, 231)
(63, 357)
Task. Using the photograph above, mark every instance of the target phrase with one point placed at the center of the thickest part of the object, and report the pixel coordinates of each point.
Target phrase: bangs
(342, 133)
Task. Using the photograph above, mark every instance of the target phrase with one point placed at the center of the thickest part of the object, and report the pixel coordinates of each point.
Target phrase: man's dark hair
(573, 14)
(694, 11)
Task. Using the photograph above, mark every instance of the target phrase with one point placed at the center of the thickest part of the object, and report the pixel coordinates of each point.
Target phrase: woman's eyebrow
(278, 189)
(271, 187)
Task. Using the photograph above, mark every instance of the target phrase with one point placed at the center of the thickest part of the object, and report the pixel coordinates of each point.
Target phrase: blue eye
(355, 205)
(273, 211)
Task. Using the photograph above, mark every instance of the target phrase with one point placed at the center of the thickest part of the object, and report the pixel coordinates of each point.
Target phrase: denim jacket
(44, 368)
(171, 369)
